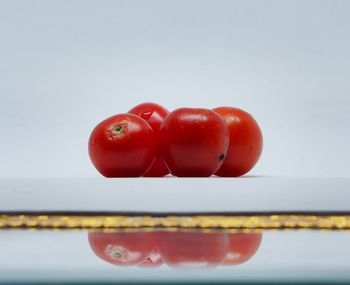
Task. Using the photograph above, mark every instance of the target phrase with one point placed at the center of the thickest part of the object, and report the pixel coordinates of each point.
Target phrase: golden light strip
(284, 221)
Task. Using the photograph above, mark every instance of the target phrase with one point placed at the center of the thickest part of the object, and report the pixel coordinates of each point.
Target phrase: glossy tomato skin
(194, 142)
(246, 142)
(242, 248)
(153, 260)
(193, 249)
(154, 114)
(122, 249)
(158, 168)
(123, 146)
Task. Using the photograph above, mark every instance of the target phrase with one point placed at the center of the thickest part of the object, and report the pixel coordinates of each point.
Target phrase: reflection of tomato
(153, 260)
(194, 142)
(246, 142)
(123, 249)
(154, 114)
(122, 146)
(193, 250)
(242, 248)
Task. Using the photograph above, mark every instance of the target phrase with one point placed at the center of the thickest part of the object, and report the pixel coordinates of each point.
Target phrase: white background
(66, 65)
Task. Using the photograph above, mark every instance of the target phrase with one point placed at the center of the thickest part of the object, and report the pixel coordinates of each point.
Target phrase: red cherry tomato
(242, 248)
(153, 260)
(123, 146)
(154, 114)
(193, 250)
(122, 249)
(246, 142)
(194, 142)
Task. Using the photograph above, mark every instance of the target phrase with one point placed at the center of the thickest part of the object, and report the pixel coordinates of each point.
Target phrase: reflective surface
(179, 249)
(155, 240)
(174, 256)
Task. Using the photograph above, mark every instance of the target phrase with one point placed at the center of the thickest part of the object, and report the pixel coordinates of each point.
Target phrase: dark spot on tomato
(222, 157)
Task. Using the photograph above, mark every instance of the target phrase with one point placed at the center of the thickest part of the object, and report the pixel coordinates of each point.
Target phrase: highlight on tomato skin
(194, 142)
(242, 247)
(153, 260)
(123, 145)
(122, 249)
(154, 114)
(246, 142)
(193, 249)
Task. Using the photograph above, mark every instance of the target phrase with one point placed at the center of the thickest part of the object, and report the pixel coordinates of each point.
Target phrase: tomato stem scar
(118, 254)
(118, 129)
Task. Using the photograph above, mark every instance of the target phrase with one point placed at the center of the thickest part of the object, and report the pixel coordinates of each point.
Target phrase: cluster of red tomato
(176, 249)
(188, 142)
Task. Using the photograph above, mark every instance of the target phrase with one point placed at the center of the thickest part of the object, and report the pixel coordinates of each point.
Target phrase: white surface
(176, 195)
(66, 65)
